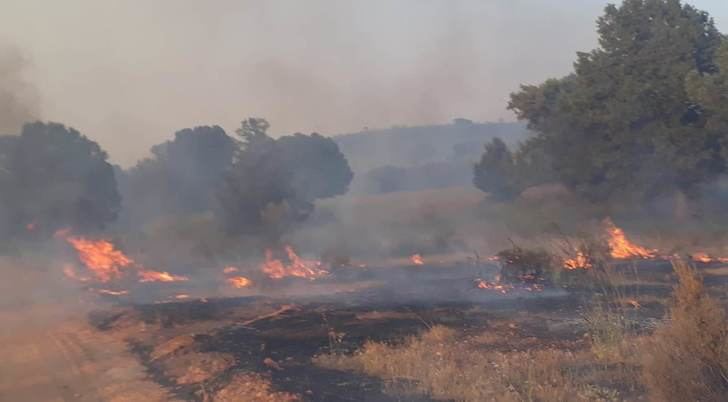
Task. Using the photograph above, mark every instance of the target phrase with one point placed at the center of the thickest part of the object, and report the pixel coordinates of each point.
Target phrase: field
(385, 326)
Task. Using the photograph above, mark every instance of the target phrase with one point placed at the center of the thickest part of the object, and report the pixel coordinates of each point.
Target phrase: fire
(71, 273)
(580, 261)
(156, 276)
(416, 259)
(112, 292)
(182, 296)
(297, 266)
(239, 282)
(230, 269)
(705, 258)
(100, 257)
(621, 248)
(483, 284)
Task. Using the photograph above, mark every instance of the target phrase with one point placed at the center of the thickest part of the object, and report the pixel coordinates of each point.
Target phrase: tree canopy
(53, 177)
(281, 177)
(182, 176)
(638, 114)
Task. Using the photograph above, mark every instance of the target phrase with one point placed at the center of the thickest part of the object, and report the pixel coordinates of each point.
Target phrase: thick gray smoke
(18, 97)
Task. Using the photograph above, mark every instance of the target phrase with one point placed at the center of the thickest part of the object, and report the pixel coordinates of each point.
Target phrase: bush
(687, 358)
(523, 265)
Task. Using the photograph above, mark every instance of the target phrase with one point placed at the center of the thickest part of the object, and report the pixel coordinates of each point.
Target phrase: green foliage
(625, 121)
(53, 177)
(495, 173)
(181, 177)
(274, 182)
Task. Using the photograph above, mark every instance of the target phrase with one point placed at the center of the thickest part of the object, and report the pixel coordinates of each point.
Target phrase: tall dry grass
(687, 358)
(443, 366)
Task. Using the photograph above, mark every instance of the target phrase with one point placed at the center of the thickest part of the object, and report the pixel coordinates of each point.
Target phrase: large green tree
(53, 177)
(182, 176)
(624, 122)
(281, 177)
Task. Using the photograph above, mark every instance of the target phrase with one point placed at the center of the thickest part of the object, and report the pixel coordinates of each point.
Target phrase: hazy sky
(128, 73)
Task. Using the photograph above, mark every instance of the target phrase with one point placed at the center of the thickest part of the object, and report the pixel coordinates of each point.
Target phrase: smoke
(130, 80)
(18, 98)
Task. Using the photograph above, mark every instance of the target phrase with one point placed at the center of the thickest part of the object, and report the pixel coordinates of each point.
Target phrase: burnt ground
(278, 335)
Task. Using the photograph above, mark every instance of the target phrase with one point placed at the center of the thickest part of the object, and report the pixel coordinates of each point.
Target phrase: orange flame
(297, 266)
(156, 276)
(705, 258)
(580, 261)
(416, 259)
(100, 257)
(239, 282)
(483, 284)
(112, 292)
(621, 248)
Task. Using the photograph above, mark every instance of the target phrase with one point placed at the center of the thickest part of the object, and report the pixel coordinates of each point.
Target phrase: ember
(239, 282)
(155, 276)
(416, 259)
(621, 248)
(705, 258)
(112, 292)
(483, 284)
(580, 261)
(296, 267)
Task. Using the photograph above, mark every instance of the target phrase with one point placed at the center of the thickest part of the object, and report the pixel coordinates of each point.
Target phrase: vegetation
(182, 176)
(641, 116)
(53, 177)
(687, 358)
(523, 265)
(275, 181)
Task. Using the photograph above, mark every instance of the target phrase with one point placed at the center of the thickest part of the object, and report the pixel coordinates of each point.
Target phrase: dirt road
(50, 353)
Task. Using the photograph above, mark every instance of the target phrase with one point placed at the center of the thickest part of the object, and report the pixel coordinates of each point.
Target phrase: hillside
(421, 157)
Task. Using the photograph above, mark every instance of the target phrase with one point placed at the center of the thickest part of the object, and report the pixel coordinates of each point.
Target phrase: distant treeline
(421, 157)
(52, 177)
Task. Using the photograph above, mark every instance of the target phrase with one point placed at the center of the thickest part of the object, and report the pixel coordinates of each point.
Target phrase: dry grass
(687, 358)
(440, 364)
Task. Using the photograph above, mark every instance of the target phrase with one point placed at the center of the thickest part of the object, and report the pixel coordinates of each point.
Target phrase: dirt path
(50, 354)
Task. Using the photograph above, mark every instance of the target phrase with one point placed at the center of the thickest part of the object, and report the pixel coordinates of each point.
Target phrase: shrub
(523, 265)
(687, 358)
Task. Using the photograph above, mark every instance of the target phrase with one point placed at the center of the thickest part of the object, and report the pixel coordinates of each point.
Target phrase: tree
(623, 122)
(281, 176)
(182, 176)
(495, 173)
(53, 177)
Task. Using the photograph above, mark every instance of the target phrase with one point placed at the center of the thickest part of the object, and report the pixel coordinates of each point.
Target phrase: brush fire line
(104, 262)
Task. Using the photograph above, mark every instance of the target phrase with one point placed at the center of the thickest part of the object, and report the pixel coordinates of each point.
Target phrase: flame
(71, 273)
(483, 284)
(239, 282)
(100, 257)
(297, 266)
(621, 248)
(112, 292)
(182, 296)
(156, 276)
(705, 258)
(416, 259)
(230, 269)
(580, 261)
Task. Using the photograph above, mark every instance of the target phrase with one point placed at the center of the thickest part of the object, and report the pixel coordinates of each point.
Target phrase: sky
(129, 73)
